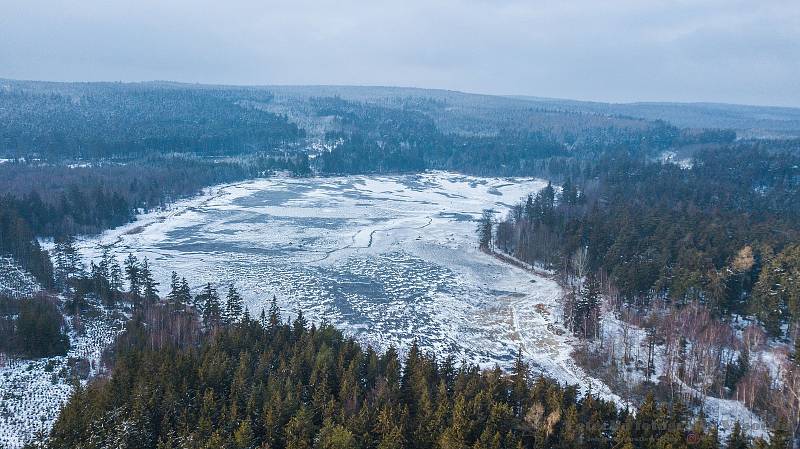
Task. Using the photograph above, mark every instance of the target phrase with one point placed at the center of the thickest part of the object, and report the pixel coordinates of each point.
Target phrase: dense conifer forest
(117, 120)
(258, 382)
(721, 233)
(32, 327)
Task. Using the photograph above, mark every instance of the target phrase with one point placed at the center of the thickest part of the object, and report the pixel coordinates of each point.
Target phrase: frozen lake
(388, 259)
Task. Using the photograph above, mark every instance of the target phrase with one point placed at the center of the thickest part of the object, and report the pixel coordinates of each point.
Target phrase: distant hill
(84, 120)
(748, 121)
(751, 121)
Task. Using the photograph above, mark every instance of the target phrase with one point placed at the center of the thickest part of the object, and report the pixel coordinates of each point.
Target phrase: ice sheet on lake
(388, 259)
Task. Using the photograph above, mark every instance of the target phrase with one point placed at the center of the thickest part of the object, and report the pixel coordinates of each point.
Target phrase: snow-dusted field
(388, 259)
(33, 391)
(15, 281)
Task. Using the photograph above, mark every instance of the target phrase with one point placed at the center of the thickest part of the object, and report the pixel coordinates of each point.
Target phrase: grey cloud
(617, 50)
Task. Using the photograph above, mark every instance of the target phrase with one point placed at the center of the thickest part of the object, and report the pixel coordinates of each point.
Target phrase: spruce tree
(174, 288)
(781, 436)
(274, 313)
(233, 305)
(105, 263)
(149, 285)
(519, 374)
(68, 261)
(209, 303)
(299, 325)
(115, 276)
(737, 439)
(485, 225)
(299, 431)
(243, 436)
(185, 293)
(132, 273)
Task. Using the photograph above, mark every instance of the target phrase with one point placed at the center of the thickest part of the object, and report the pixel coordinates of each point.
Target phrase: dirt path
(546, 343)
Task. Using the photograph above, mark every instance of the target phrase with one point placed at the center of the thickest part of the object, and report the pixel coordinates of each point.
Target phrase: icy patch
(671, 157)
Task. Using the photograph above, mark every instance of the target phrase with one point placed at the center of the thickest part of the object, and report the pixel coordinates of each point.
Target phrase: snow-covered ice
(388, 259)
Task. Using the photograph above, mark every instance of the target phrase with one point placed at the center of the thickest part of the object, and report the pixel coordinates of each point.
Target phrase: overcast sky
(733, 51)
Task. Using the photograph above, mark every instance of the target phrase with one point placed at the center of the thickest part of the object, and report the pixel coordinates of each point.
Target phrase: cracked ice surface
(387, 259)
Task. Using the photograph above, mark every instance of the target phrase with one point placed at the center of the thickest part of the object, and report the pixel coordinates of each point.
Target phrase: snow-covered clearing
(724, 412)
(15, 281)
(33, 391)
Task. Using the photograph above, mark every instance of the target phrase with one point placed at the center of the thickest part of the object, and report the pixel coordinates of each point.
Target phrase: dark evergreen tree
(485, 225)
(133, 275)
(737, 439)
(174, 288)
(274, 313)
(209, 303)
(149, 285)
(233, 305)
